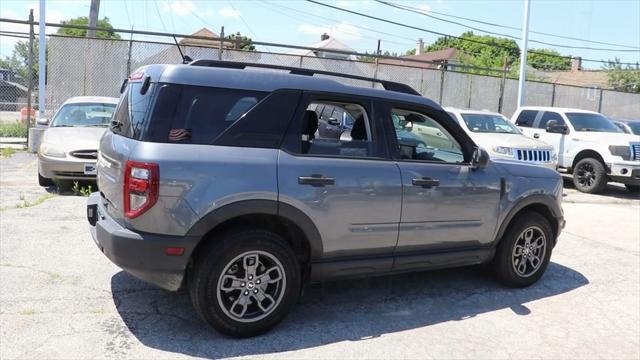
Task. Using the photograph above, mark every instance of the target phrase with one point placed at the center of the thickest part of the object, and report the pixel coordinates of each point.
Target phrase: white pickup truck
(588, 145)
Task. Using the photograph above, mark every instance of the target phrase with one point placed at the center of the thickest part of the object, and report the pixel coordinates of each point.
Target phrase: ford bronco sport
(214, 177)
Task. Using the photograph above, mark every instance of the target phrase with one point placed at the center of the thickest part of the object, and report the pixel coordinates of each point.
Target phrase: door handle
(316, 180)
(425, 182)
(536, 136)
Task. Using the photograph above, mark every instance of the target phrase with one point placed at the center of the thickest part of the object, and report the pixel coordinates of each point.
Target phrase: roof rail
(387, 85)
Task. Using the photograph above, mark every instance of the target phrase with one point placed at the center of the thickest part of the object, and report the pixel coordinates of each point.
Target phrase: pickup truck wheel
(246, 283)
(524, 251)
(633, 188)
(43, 181)
(589, 176)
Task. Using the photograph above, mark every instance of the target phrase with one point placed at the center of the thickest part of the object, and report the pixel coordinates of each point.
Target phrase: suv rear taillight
(140, 187)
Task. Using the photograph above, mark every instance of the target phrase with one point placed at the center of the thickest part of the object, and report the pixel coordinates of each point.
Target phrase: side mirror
(43, 121)
(333, 121)
(480, 159)
(554, 127)
(408, 126)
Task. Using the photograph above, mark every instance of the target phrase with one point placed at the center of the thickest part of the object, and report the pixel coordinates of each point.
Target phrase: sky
(301, 23)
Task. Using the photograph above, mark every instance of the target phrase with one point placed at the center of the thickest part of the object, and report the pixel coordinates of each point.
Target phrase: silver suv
(214, 177)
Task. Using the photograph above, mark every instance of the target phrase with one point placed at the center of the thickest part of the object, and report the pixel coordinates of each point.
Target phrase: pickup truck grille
(635, 151)
(85, 154)
(533, 155)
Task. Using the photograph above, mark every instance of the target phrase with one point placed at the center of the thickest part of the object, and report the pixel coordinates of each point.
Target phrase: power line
(520, 29)
(155, 3)
(447, 35)
(410, 9)
(244, 22)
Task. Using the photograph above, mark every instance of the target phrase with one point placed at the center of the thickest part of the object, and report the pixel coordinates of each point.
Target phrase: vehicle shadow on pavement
(333, 312)
(617, 191)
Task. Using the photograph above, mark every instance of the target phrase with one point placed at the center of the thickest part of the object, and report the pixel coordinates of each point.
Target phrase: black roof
(270, 80)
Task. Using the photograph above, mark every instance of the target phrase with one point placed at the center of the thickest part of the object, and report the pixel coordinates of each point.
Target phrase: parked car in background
(69, 147)
(628, 126)
(502, 139)
(221, 183)
(589, 145)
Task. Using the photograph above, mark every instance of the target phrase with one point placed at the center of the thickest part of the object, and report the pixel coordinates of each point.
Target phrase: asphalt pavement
(61, 298)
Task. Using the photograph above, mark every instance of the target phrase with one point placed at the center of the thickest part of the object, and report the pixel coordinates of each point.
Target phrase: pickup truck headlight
(52, 151)
(503, 150)
(623, 151)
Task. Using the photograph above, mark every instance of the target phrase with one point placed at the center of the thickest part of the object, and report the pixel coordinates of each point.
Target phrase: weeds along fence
(79, 66)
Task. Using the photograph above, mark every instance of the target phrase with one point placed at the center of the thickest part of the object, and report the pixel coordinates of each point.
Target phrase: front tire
(245, 283)
(524, 251)
(43, 181)
(589, 176)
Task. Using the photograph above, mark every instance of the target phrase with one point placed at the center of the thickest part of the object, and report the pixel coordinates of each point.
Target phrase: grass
(28, 312)
(38, 201)
(13, 130)
(7, 152)
(81, 190)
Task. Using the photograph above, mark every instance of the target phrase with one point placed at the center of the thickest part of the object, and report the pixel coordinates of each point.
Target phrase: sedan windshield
(592, 122)
(85, 114)
(488, 123)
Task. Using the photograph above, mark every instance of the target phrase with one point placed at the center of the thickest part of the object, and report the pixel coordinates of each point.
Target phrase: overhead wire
(447, 35)
(419, 12)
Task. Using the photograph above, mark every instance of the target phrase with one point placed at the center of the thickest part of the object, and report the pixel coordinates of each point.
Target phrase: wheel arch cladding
(544, 205)
(292, 224)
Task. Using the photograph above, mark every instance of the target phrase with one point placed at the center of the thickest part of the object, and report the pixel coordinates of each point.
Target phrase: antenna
(185, 59)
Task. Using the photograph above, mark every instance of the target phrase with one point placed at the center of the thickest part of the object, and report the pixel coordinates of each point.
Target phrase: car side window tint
(526, 118)
(419, 137)
(320, 137)
(550, 115)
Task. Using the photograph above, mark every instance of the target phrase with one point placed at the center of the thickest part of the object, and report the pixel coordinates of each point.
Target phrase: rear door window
(128, 120)
(526, 118)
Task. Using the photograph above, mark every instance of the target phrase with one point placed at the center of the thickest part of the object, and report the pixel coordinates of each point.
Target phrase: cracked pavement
(61, 298)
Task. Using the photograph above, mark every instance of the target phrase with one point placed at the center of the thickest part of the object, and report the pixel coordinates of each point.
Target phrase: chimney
(576, 64)
(324, 37)
(419, 46)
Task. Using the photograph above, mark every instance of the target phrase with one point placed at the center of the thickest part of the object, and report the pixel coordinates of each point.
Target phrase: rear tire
(589, 176)
(245, 283)
(43, 181)
(633, 188)
(524, 251)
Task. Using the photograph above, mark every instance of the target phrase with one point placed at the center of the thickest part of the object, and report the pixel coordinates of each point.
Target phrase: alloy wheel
(529, 251)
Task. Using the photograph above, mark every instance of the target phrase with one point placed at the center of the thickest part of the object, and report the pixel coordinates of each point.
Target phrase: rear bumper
(140, 254)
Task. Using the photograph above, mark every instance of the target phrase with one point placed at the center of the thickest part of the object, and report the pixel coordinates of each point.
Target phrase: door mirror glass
(480, 158)
(43, 121)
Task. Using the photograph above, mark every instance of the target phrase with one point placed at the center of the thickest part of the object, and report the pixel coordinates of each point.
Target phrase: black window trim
(378, 133)
(438, 115)
(535, 118)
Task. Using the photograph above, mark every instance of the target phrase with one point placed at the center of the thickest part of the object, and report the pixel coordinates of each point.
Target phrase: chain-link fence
(87, 66)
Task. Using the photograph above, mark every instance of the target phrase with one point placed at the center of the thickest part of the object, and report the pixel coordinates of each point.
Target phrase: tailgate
(114, 152)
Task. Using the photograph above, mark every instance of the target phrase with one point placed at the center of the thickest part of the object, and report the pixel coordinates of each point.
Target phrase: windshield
(488, 123)
(592, 122)
(634, 126)
(85, 114)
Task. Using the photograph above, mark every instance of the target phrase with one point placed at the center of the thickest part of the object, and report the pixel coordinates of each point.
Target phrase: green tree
(245, 42)
(84, 21)
(622, 78)
(372, 58)
(546, 60)
(18, 62)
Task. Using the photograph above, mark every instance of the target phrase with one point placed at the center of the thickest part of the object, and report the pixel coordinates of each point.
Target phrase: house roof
(578, 78)
(204, 32)
(449, 54)
(326, 45)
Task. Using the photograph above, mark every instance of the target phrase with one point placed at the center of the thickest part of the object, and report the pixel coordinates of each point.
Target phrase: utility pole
(42, 63)
(523, 54)
(30, 72)
(93, 17)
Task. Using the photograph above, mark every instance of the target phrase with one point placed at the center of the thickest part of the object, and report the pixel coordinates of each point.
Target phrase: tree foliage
(245, 41)
(546, 60)
(622, 78)
(18, 62)
(84, 21)
(372, 57)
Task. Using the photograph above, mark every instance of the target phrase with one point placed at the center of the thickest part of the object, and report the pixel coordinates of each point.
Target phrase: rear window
(128, 120)
(526, 118)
